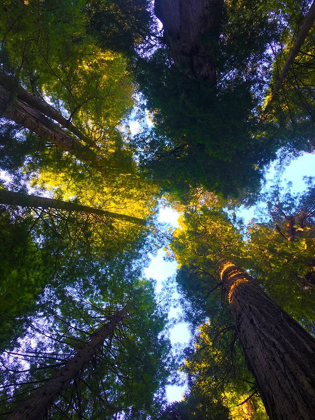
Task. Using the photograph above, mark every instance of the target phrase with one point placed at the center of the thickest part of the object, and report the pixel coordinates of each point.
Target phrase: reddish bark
(278, 351)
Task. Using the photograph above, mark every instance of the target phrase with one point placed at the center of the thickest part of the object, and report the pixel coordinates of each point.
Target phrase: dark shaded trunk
(10, 84)
(191, 31)
(32, 119)
(26, 200)
(304, 31)
(278, 351)
(36, 406)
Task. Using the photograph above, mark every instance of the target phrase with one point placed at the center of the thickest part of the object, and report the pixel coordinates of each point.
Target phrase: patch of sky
(295, 172)
(162, 270)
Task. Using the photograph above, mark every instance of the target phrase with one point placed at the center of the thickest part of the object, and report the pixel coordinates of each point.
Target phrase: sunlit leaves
(51, 53)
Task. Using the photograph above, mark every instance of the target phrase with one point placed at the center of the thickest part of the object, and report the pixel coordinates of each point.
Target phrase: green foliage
(289, 113)
(118, 25)
(88, 284)
(195, 406)
(217, 372)
(16, 147)
(48, 50)
(216, 367)
(206, 135)
(278, 253)
(120, 378)
(63, 273)
(23, 272)
(281, 250)
(202, 135)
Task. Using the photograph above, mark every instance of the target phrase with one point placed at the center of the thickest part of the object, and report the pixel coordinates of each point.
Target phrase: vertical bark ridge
(279, 352)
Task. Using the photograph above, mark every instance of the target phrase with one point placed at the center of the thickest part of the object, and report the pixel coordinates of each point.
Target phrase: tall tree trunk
(186, 23)
(36, 406)
(10, 84)
(278, 351)
(34, 120)
(25, 200)
(304, 31)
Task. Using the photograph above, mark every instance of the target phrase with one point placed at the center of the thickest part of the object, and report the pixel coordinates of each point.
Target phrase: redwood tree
(38, 404)
(278, 351)
(31, 117)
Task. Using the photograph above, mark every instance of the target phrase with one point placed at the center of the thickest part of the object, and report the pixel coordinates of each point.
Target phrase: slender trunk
(34, 120)
(278, 351)
(26, 200)
(36, 406)
(306, 27)
(185, 24)
(9, 84)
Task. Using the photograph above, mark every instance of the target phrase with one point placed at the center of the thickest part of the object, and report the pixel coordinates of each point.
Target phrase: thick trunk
(36, 406)
(279, 352)
(9, 84)
(25, 200)
(191, 30)
(34, 120)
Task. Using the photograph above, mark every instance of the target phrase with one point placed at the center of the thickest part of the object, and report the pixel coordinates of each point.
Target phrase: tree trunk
(34, 120)
(10, 84)
(36, 406)
(278, 351)
(25, 200)
(304, 31)
(191, 30)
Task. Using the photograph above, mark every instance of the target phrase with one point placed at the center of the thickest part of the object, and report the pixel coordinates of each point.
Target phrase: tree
(288, 108)
(284, 372)
(49, 392)
(123, 375)
(25, 200)
(34, 120)
(281, 249)
(90, 95)
(121, 26)
(203, 129)
(42, 106)
(25, 269)
(208, 119)
(185, 25)
(57, 238)
(259, 322)
(305, 29)
(198, 137)
(218, 377)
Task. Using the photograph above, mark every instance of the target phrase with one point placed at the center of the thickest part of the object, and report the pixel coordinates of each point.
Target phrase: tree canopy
(218, 89)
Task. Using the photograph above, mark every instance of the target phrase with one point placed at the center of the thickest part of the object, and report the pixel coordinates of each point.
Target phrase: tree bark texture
(26, 200)
(32, 119)
(36, 406)
(191, 30)
(9, 84)
(278, 351)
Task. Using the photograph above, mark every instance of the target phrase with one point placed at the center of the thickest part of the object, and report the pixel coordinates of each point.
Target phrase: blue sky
(161, 270)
